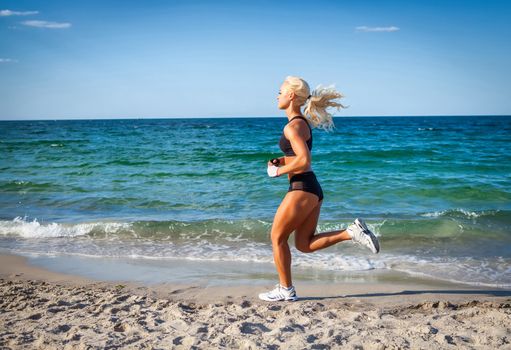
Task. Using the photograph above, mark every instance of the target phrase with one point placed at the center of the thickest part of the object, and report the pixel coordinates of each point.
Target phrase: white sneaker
(360, 233)
(279, 294)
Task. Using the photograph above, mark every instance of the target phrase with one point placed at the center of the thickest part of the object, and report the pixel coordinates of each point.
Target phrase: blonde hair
(315, 105)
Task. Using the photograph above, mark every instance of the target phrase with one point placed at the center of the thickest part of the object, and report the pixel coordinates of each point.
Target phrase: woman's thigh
(295, 207)
(307, 229)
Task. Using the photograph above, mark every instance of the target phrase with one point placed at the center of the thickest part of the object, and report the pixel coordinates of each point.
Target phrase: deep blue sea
(436, 190)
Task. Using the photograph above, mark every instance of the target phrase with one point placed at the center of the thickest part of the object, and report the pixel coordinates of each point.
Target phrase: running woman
(299, 210)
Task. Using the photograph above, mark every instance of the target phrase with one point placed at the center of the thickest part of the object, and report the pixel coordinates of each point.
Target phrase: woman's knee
(305, 249)
(278, 237)
(303, 246)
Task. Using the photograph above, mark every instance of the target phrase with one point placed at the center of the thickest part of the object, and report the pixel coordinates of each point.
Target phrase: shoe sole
(376, 245)
(287, 299)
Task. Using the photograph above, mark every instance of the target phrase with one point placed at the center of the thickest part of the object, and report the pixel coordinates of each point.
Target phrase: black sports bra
(285, 145)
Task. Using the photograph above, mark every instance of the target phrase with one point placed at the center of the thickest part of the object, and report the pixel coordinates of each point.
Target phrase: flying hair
(316, 102)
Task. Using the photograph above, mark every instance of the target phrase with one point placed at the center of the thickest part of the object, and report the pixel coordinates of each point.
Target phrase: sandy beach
(41, 309)
(165, 163)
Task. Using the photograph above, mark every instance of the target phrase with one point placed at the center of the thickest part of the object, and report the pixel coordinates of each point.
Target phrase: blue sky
(135, 59)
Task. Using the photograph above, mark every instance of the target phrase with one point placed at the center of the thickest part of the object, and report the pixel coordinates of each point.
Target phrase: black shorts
(306, 182)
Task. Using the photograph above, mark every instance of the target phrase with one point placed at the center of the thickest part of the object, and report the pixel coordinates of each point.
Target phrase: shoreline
(42, 308)
(393, 288)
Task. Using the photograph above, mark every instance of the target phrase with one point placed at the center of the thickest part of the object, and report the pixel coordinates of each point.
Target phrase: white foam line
(33, 229)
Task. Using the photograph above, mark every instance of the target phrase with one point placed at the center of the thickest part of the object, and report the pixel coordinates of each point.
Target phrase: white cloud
(47, 24)
(377, 29)
(7, 60)
(5, 13)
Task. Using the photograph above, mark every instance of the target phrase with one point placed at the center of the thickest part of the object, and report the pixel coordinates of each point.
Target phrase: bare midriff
(289, 159)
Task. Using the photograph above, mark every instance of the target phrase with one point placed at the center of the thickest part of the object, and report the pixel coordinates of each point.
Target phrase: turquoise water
(437, 190)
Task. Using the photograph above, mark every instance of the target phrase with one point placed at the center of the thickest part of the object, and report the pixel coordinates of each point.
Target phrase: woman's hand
(272, 170)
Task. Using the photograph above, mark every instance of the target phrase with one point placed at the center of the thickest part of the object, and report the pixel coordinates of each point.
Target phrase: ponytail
(316, 102)
(315, 107)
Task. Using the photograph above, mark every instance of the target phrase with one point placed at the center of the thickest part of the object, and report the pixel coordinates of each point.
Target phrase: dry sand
(40, 309)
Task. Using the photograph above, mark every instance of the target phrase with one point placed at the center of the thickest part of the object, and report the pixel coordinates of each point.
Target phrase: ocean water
(187, 193)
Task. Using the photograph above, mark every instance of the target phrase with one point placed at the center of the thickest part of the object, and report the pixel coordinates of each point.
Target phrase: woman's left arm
(302, 160)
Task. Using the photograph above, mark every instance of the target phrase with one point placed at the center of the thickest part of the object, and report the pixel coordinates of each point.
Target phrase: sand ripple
(38, 314)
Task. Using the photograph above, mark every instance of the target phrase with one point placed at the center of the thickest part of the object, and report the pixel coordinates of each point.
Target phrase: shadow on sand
(495, 293)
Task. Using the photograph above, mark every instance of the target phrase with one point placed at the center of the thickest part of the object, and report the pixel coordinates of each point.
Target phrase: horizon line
(266, 117)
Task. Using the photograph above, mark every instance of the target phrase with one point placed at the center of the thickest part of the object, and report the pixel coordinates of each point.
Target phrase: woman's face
(284, 97)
